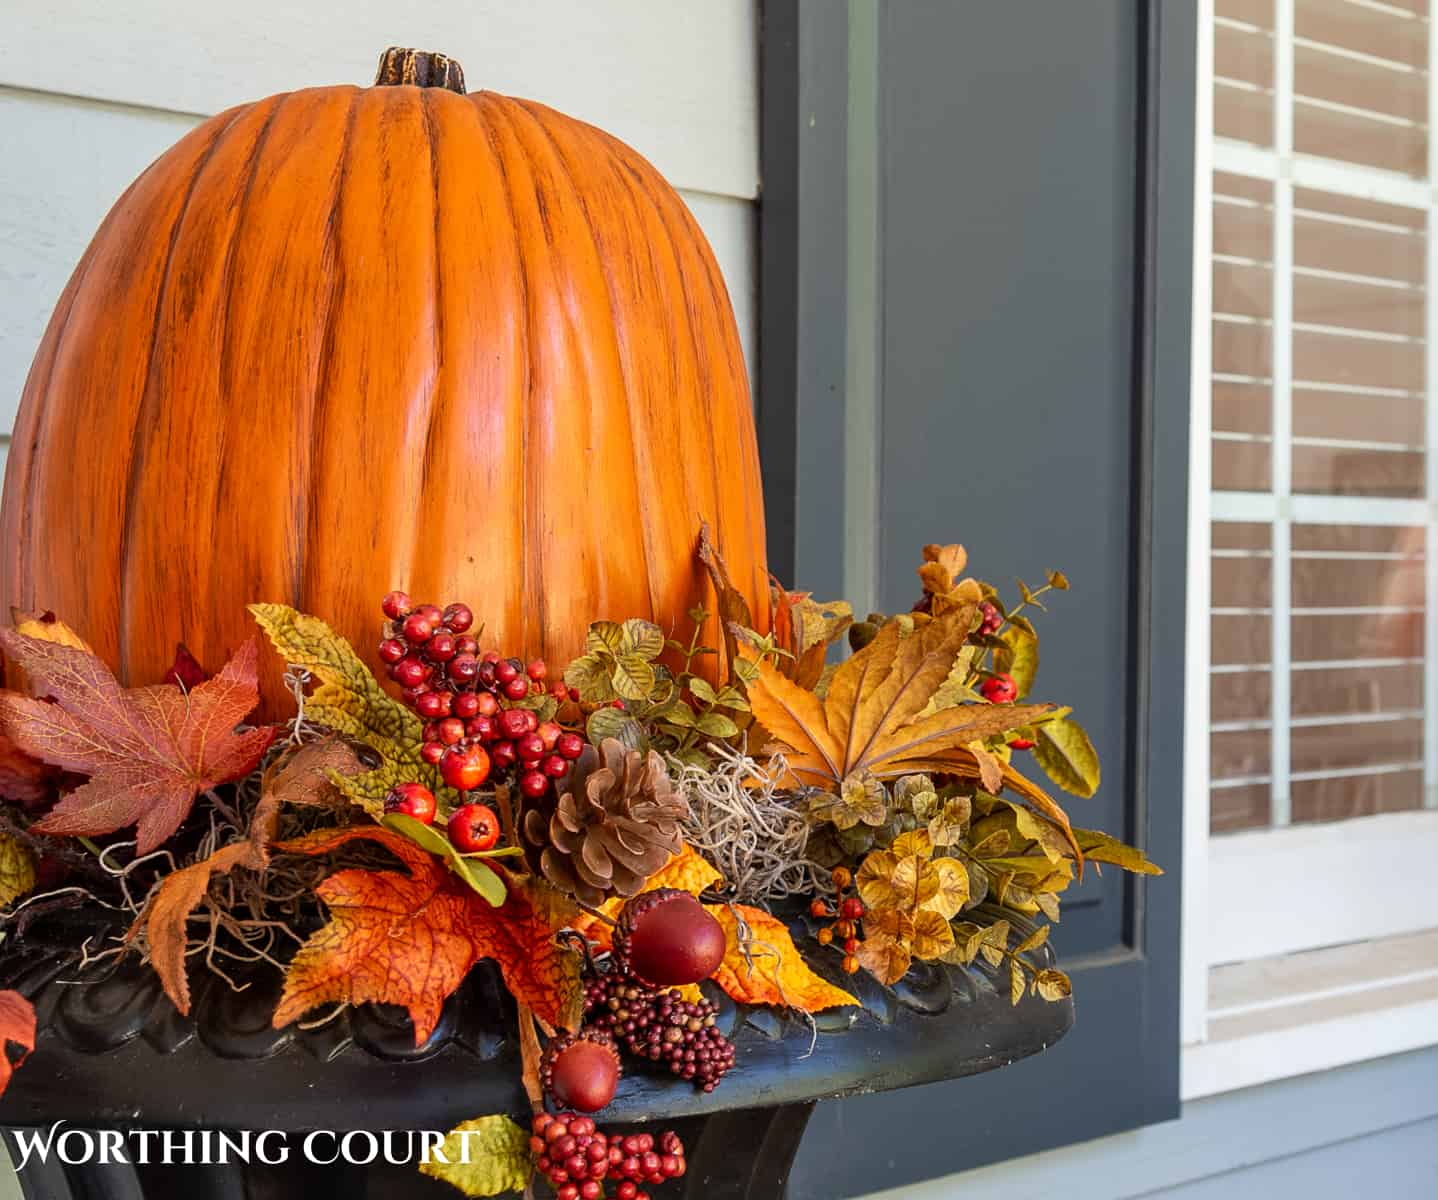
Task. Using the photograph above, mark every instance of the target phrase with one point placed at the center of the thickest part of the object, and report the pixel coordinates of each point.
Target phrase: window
(1312, 608)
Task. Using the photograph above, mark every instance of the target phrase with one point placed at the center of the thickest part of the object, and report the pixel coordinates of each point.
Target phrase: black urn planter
(113, 1053)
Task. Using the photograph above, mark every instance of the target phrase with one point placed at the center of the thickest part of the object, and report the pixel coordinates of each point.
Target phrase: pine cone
(615, 823)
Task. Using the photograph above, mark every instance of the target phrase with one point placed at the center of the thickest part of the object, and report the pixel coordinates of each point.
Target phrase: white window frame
(1258, 905)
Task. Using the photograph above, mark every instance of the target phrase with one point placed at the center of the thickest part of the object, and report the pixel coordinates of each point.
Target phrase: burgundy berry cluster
(576, 1157)
(462, 696)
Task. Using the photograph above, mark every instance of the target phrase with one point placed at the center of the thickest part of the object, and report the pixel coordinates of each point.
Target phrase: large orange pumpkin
(348, 339)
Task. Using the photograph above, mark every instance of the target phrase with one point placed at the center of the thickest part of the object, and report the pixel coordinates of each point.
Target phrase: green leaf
(633, 677)
(701, 689)
(641, 638)
(1020, 657)
(1053, 985)
(616, 723)
(1067, 757)
(678, 714)
(478, 876)
(1099, 847)
(483, 1157)
(604, 637)
(590, 675)
(716, 725)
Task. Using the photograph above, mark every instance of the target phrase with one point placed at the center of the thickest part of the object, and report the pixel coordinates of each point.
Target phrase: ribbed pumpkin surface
(344, 340)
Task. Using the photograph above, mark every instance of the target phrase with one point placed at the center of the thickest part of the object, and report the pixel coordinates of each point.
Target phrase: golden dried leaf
(915, 882)
(483, 1157)
(1053, 985)
(953, 891)
(947, 828)
(1067, 756)
(915, 842)
(991, 768)
(953, 557)
(932, 935)
(875, 879)
(779, 975)
(17, 870)
(885, 958)
(1100, 847)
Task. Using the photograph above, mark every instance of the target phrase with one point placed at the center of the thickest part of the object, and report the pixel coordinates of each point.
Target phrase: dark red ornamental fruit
(397, 605)
(473, 827)
(465, 705)
(391, 650)
(410, 672)
(458, 618)
(440, 648)
(570, 745)
(537, 670)
(581, 1070)
(999, 689)
(517, 688)
(451, 731)
(464, 768)
(852, 909)
(502, 755)
(514, 722)
(666, 938)
(413, 800)
(506, 669)
(432, 752)
(417, 628)
(1020, 743)
(534, 784)
(992, 618)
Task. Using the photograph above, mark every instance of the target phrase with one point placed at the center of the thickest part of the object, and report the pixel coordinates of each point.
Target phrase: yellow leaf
(483, 1157)
(46, 627)
(991, 768)
(915, 882)
(953, 892)
(915, 842)
(17, 870)
(775, 973)
(932, 936)
(349, 699)
(952, 557)
(875, 879)
(890, 923)
(1020, 661)
(1067, 757)
(1053, 985)
(947, 827)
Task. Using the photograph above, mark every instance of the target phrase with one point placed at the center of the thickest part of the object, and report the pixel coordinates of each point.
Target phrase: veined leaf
(1067, 757)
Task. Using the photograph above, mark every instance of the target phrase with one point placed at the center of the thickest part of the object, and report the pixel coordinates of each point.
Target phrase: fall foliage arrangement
(759, 817)
(341, 329)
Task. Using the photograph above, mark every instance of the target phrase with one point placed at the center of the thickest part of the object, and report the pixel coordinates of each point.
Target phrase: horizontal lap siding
(677, 81)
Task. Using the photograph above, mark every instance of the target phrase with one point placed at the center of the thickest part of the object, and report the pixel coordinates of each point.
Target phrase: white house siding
(91, 93)
(1370, 1129)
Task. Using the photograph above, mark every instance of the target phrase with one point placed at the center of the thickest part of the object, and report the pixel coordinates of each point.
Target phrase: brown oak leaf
(148, 751)
(870, 718)
(17, 1027)
(410, 937)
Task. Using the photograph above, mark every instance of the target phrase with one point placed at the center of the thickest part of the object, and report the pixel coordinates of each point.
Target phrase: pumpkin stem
(421, 68)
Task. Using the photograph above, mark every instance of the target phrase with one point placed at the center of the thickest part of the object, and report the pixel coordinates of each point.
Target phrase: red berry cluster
(660, 1026)
(992, 619)
(576, 1157)
(850, 912)
(462, 696)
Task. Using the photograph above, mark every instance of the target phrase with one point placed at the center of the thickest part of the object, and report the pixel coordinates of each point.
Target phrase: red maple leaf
(148, 751)
(410, 939)
(17, 1025)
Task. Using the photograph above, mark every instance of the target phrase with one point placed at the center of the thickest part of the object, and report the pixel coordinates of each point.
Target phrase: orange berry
(818, 909)
(825, 936)
(851, 964)
(842, 877)
(844, 929)
(851, 945)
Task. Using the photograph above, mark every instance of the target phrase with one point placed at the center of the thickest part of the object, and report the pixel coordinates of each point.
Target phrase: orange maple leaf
(409, 938)
(774, 971)
(148, 751)
(17, 1025)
